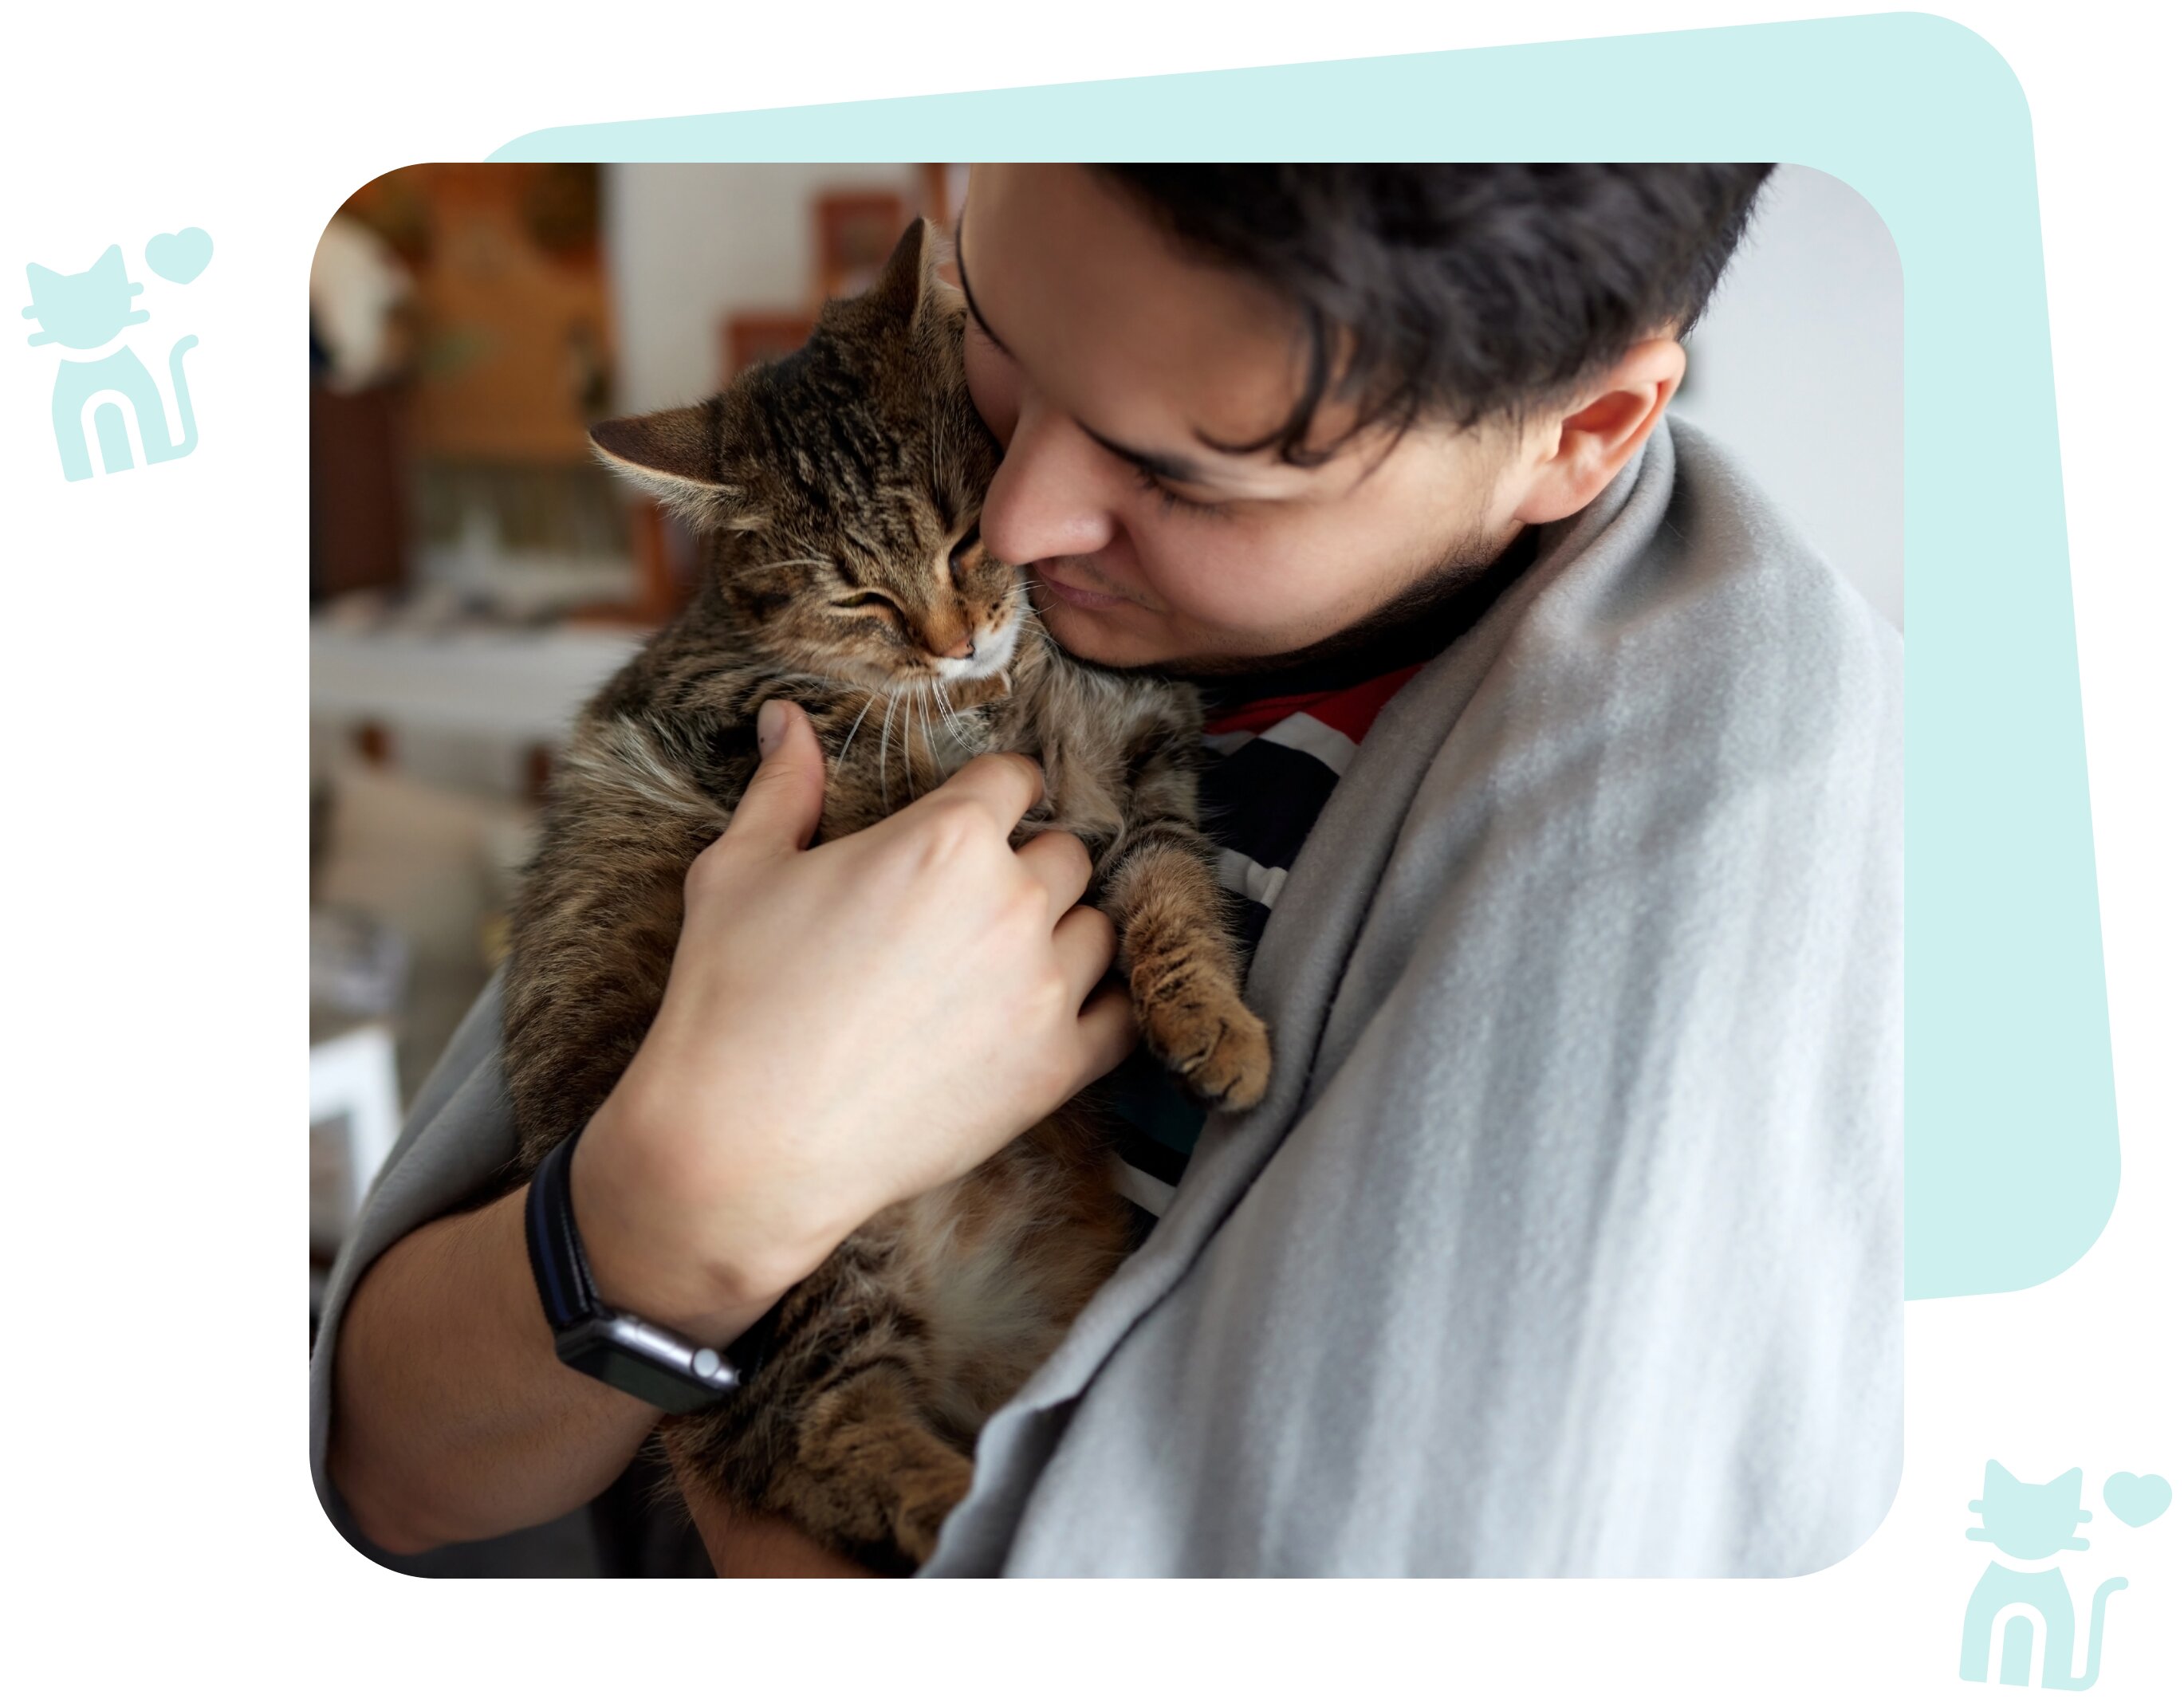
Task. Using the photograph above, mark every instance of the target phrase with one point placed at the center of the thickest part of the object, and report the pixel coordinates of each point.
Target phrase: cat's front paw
(1216, 1048)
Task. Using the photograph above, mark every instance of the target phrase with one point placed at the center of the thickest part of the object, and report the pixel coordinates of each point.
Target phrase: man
(1567, 1239)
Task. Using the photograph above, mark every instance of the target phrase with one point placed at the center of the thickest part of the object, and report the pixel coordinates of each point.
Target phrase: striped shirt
(1276, 746)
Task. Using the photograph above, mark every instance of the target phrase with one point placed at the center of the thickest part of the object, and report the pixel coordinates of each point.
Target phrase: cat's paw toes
(1220, 1053)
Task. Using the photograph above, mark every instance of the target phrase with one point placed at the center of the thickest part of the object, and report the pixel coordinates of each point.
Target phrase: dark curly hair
(1462, 292)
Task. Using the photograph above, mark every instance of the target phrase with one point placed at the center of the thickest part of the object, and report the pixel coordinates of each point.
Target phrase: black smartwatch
(627, 1351)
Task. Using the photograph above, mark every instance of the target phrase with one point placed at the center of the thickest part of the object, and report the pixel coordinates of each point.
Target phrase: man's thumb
(782, 803)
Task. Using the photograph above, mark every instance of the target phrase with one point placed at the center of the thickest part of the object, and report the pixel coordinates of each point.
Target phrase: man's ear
(675, 458)
(1594, 434)
(907, 277)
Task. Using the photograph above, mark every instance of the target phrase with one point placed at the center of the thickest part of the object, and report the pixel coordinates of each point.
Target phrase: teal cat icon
(2030, 1523)
(84, 310)
(87, 310)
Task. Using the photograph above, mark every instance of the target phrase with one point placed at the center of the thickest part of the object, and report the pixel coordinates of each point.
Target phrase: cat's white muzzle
(991, 652)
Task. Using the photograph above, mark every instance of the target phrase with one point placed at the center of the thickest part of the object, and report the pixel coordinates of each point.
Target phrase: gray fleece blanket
(1567, 1240)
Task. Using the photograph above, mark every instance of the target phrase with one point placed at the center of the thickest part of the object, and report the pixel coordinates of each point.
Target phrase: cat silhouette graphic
(87, 310)
(2029, 1523)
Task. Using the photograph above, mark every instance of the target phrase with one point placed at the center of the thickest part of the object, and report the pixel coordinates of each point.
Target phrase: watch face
(647, 1362)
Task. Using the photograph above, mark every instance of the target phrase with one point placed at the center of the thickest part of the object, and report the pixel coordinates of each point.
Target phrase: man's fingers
(1060, 862)
(1106, 1024)
(780, 807)
(1006, 786)
(1084, 945)
(1108, 1031)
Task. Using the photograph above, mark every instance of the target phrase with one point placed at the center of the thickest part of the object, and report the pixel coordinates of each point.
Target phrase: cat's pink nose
(961, 650)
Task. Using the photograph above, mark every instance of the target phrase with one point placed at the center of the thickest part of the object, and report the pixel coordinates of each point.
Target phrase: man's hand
(845, 1027)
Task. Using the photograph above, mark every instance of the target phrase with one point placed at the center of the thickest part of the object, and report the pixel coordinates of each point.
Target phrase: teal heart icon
(178, 257)
(2138, 1499)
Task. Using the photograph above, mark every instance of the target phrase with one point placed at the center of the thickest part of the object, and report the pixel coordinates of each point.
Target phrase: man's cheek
(1228, 591)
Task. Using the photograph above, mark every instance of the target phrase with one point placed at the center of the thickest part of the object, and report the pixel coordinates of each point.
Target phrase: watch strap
(640, 1357)
(558, 1262)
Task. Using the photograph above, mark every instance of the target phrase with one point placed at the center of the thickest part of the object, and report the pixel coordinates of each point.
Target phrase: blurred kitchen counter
(521, 684)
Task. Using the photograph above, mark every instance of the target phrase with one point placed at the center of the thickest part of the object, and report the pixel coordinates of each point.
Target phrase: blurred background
(475, 575)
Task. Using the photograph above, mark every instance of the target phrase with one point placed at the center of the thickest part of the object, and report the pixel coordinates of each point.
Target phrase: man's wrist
(641, 1265)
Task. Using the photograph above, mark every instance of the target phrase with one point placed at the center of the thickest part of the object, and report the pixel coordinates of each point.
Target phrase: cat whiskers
(843, 753)
(886, 723)
(1033, 613)
(952, 720)
(910, 772)
(1029, 607)
(948, 717)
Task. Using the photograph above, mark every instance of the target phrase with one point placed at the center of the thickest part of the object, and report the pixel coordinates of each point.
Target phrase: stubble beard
(1461, 566)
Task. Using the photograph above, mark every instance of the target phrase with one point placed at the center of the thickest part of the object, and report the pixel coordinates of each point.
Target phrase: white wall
(687, 245)
(1798, 367)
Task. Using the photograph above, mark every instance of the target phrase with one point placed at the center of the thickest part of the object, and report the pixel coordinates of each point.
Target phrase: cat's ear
(675, 458)
(907, 277)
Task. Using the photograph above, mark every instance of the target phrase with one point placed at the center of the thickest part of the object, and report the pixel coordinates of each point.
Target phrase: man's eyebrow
(1174, 468)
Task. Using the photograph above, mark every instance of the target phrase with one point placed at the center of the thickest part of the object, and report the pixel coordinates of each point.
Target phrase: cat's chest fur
(1091, 731)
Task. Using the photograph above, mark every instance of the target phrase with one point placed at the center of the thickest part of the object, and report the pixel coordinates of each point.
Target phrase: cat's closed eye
(880, 604)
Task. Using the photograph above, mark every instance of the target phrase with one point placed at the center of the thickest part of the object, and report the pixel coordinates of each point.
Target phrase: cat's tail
(183, 395)
(2100, 1607)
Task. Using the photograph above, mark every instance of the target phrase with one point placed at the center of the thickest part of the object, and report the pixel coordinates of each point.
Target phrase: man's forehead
(1172, 365)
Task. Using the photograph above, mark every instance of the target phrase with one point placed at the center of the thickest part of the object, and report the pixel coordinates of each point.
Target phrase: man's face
(1109, 365)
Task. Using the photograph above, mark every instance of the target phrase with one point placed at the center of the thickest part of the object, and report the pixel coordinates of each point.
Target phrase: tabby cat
(839, 491)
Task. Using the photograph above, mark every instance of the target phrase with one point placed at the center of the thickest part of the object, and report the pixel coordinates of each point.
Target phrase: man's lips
(1071, 593)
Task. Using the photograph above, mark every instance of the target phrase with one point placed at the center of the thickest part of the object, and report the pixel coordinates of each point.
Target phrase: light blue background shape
(2012, 1161)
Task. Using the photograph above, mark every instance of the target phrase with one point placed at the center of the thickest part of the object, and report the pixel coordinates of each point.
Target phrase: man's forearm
(452, 1418)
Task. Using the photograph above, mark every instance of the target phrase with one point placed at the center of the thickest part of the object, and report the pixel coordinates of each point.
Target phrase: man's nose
(1053, 494)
